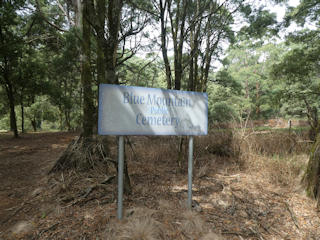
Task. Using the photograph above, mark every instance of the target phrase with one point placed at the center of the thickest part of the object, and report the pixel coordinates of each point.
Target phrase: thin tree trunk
(257, 99)
(13, 119)
(67, 117)
(164, 48)
(9, 90)
(178, 26)
(34, 124)
(22, 117)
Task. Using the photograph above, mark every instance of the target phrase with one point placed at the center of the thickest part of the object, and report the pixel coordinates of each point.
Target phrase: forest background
(54, 55)
(257, 73)
(49, 56)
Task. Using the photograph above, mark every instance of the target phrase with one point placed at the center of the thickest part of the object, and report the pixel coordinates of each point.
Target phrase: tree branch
(46, 20)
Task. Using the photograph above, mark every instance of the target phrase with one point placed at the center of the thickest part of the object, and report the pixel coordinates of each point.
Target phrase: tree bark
(164, 48)
(112, 42)
(34, 124)
(86, 79)
(22, 117)
(312, 114)
(311, 179)
(67, 117)
(101, 68)
(13, 119)
(10, 94)
(177, 20)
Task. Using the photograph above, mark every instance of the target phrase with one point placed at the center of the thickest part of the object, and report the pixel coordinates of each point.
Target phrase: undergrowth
(277, 155)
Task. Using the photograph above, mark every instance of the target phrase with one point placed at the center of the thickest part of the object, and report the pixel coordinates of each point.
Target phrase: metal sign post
(190, 168)
(120, 176)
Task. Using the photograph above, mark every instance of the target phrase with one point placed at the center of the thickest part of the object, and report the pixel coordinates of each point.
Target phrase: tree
(300, 66)
(246, 71)
(299, 69)
(205, 27)
(11, 43)
(110, 23)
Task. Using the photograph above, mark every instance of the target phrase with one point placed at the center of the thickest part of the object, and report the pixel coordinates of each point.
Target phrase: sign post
(190, 170)
(125, 110)
(120, 176)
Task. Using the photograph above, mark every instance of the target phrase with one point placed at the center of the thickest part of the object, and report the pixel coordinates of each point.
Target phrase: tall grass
(276, 154)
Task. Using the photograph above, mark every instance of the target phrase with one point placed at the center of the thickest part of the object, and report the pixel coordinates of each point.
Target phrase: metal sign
(127, 110)
(150, 111)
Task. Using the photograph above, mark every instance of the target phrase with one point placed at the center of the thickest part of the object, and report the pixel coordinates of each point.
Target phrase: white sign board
(127, 110)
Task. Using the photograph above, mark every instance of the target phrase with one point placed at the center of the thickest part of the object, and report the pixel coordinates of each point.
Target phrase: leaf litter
(232, 203)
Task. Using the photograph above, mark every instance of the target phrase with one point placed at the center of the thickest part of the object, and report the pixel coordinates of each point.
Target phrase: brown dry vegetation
(246, 186)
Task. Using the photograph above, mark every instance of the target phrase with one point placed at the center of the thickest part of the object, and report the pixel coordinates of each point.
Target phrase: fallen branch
(108, 180)
(293, 217)
(14, 213)
(52, 227)
(84, 195)
(255, 232)
(232, 233)
(88, 191)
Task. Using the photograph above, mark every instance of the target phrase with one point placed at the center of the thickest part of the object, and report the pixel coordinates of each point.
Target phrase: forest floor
(230, 202)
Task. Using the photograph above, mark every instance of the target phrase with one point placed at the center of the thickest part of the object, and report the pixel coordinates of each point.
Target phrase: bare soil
(230, 203)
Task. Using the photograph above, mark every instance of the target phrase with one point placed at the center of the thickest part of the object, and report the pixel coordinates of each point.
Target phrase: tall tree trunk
(178, 37)
(86, 78)
(101, 68)
(113, 16)
(195, 48)
(191, 82)
(10, 94)
(164, 48)
(13, 119)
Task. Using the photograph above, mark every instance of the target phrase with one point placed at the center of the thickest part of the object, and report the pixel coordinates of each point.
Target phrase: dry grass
(138, 224)
(166, 223)
(279, 156)
(276, 155)
(211, 236)
(192, 224)
(140, 229)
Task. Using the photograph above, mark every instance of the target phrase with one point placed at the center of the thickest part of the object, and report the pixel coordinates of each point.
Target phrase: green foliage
(299, 69)
(306, 11)
(40, 53)
(246, 72)
(261, 22)
(144, 72)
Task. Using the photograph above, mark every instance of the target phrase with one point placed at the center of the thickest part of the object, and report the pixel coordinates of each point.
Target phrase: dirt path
(24, 163)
